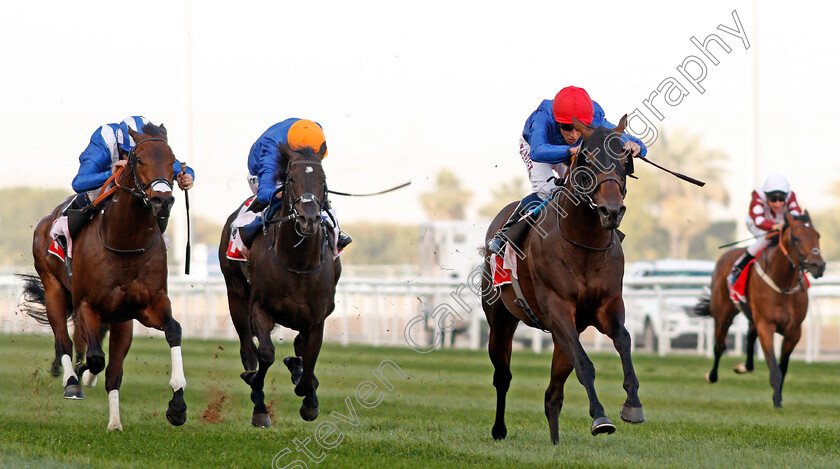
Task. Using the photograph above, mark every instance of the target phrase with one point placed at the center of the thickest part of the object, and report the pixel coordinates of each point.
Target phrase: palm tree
(447, 200)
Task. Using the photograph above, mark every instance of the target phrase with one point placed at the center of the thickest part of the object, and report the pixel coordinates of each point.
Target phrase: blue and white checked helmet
(136, 123)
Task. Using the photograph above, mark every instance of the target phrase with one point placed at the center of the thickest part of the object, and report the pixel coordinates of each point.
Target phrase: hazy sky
(403, 91)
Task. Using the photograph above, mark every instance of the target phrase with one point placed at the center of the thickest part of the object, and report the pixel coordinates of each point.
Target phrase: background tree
(503, 194)
(21, 210)
(447, 200)
(668, 217)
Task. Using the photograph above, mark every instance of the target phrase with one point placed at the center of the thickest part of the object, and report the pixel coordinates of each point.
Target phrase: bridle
(599, 178)
(799, 266)
(306, 197)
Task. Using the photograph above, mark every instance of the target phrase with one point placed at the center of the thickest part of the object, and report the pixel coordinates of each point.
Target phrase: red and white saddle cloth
(738, 290)
(502, 268)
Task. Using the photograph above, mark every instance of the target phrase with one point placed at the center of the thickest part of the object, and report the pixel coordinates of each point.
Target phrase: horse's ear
(323, 150)
(163, 130)
(133, 134)
(585, 130)
(622, 124)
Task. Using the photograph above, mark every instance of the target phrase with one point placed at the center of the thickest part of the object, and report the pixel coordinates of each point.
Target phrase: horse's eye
(140, 162)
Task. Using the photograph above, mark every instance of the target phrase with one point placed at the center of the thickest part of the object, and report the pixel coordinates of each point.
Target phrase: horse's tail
(704, 305)
(33, 300)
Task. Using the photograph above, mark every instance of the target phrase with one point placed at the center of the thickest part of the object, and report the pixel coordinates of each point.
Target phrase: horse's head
(305, 187)
(599, 170)
(802, 241)
(151, 162)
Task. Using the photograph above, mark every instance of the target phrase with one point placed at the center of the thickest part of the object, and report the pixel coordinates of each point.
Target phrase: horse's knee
(501, 380)
(172, 331)
(265, 354)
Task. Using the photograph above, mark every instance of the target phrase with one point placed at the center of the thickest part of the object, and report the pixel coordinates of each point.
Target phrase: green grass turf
(440, 416)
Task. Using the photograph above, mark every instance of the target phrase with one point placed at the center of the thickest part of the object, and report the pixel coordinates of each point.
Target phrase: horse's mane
(804, 218)
(152, 130)
(306, 153)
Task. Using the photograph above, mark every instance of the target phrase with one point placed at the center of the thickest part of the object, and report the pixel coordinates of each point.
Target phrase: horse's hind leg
(262, 324)
(749, 365)
(57, 305)
(295, 364)
(87, 325)
(723, 320)
(502, 326)
(311, 342)
(120, 342)
(238, 296)
(561, 368)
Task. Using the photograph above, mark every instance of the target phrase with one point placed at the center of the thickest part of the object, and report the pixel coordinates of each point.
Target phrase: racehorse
(290, 281)
(777, 299)
(570, 269)
(120, 274)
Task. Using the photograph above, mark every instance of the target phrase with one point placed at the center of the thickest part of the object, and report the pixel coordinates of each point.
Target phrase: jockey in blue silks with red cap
(548, 142)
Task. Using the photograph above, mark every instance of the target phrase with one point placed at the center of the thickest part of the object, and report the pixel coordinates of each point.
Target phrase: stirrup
(496, 245)
(343, 240)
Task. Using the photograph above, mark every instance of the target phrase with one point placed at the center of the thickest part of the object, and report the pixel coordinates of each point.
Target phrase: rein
(799, 269)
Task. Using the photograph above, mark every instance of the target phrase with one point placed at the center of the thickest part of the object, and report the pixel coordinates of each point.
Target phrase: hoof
(740, 368)
(72, 390)
(499, 432)
(711, 378)
(602, 425)
(248, 376)
(261, 420)
(89, 379)
(295, 366)
(632, 414)
(309, 414)
(114, 427)
(176, 414)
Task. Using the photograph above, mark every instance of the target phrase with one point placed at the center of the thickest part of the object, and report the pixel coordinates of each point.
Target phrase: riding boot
(739, 267)
(343, 240)
(68, 262)
(506, 232)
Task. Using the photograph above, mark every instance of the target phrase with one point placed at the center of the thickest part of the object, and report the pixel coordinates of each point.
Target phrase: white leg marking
(178, 380)
(67, 364)
(114, 411)
(88, 379)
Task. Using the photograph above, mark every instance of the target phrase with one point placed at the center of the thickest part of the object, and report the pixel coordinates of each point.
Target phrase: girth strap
(523, 303)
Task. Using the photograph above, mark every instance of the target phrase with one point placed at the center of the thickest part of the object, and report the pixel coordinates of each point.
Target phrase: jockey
(548, 142)
(106, 152)
(108, 149)
(267, 174)
(768, 206)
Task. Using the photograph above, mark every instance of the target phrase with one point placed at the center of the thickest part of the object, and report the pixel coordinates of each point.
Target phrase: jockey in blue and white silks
(102, 155)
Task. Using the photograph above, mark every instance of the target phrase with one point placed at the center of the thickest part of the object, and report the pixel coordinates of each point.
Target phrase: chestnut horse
(290, 281)
(776, 297)
(570, 268)
(120, 274)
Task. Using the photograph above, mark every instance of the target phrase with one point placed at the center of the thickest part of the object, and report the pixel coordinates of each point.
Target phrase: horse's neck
(781, 269)
(127, 224)
(579, 221)
(298, 252)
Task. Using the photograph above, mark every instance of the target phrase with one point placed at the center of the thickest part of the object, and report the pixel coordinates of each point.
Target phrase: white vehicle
(659, 298)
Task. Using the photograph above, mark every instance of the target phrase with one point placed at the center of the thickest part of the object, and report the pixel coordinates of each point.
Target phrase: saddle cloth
(503, 267)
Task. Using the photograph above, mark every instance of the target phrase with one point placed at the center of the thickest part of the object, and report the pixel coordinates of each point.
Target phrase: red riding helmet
(570, 102)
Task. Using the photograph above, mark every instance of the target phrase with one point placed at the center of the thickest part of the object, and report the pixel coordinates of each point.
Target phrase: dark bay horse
(291, 282)
(570, 269)
(776, 297)
(120, 274)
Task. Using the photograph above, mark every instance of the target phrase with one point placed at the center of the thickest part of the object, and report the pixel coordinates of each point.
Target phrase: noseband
(139, 189)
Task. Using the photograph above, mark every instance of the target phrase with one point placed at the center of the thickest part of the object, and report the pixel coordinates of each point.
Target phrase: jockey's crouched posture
(108, 149)
(549, 141)
(768, 206)
(267, 174)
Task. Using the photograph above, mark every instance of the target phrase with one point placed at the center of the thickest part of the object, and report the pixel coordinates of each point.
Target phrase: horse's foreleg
(120, 342)
(565, 334)
(502, 326)
(262, 323)
(788, 344)
(176, 412)
(561, 368)
(632, 411)
(308, 384)
(765, 337)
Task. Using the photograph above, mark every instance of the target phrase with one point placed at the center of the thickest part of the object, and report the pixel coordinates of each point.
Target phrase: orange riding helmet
(305, 133)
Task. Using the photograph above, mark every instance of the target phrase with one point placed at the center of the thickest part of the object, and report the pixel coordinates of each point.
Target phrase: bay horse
(120, 274)
(777, 298)
(291, 281)
(570, 268)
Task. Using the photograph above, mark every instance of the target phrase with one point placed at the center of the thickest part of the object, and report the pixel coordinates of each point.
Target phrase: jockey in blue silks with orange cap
(267, 174)
(548, 142)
